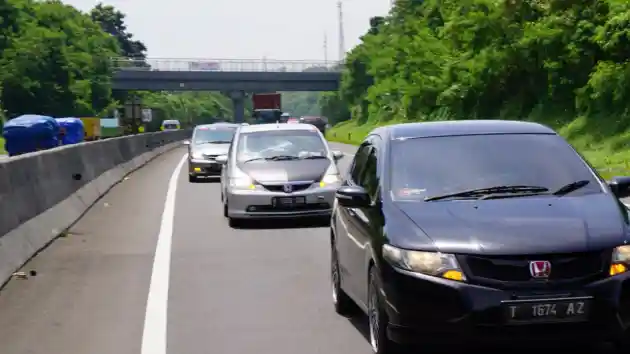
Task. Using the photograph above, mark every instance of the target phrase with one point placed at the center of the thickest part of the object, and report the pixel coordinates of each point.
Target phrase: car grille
(564, 267)
(297, 187)
(210, 157)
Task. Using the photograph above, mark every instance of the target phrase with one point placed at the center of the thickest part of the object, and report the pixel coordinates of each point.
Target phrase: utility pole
(342, 46)
(326, 49)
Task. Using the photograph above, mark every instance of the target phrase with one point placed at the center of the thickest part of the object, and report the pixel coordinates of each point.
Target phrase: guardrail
(224, 65)
(45, 192)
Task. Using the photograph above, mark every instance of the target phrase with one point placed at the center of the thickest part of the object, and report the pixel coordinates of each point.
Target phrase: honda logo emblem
(540, 269)
(288, 188)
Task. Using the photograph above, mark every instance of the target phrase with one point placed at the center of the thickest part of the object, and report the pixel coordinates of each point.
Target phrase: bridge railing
(226, 65)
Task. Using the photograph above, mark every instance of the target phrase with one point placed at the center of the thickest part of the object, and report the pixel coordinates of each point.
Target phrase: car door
(347, 242)
(366, 222)
(344, 227)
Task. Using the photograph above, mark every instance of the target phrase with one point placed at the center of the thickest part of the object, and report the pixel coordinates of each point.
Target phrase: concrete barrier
(42, 194)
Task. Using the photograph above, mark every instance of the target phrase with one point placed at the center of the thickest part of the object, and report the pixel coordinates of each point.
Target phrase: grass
(605, 144)
(2, 151)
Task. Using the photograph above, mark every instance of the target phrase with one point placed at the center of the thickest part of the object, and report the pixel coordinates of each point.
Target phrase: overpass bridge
(237, 77)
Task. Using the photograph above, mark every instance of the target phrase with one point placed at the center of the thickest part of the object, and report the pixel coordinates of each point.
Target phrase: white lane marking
(154, 335)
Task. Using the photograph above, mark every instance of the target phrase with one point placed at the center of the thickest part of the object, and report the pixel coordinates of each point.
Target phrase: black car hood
(285, 171)
(528, 225)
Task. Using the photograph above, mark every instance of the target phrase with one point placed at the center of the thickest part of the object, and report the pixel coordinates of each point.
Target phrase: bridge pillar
(238, 101)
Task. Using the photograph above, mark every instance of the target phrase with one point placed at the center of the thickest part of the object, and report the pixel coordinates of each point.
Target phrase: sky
(244, 29)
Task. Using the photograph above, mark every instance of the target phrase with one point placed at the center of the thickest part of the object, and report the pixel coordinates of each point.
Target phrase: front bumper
(257, 204)
(203, 168)
(424, 308)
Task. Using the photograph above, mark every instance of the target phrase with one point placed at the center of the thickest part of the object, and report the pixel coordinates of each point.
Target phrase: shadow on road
(208, 180)
(276, 224)
(451, 346)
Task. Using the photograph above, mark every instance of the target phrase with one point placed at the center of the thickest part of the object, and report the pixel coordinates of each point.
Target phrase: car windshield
(287, 144)
(213, 135)
(428, 167)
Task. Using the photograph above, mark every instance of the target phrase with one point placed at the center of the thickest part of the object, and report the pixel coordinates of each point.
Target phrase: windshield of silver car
(285, 144)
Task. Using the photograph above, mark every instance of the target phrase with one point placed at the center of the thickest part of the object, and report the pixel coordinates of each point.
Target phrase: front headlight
(242, 183)
(197, 155)
(436, 264)
(620, 260)
(329, 179)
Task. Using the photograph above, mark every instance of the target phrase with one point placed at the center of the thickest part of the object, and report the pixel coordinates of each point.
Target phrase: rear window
(170, 126)
(434, 166)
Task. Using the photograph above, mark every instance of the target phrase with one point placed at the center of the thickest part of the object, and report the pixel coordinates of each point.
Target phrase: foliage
(301, 103)
(56, 60)
(543, 60)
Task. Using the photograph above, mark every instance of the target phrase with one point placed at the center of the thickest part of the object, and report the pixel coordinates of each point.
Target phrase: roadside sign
(147, 115)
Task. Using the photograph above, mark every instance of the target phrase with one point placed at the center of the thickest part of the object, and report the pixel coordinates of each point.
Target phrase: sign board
(204, 66)
(147, 115)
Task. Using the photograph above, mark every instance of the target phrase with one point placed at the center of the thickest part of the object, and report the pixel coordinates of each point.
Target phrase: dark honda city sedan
(480, 231)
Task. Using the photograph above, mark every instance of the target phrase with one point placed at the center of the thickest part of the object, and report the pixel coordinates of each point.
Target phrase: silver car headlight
(620, 260)
(330, 179)
(197, 155)
(442, 265)
(242, 183)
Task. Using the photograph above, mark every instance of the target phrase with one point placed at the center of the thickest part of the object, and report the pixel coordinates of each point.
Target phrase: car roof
(205, 126)
(275, 127)
(461, 127)
(170, 121)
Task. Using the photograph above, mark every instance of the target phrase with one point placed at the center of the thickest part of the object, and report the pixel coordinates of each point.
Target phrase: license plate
(288, 202)
(565, 310)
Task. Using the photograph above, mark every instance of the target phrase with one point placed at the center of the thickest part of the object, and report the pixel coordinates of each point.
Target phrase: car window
(434, 166)
(369, 178)
(359, 162)
(213, 135)
(269, 144)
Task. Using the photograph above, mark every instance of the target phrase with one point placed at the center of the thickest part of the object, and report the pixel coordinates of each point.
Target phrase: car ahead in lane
(480, 230)
(208, 141)
(278, 171)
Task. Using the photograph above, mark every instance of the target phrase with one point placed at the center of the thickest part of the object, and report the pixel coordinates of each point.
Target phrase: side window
(370, 179)
(359, 162)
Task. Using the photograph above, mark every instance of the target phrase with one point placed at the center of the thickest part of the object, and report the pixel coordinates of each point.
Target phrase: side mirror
(620, 186)
(186, 142)
(338, 155)
(353, 197)
(222, 159)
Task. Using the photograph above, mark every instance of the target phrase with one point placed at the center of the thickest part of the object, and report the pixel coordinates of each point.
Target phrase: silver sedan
(278, 171)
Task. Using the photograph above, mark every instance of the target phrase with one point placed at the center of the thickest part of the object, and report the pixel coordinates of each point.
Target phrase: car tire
(192, 179)
(225, 209)
(344, 305)
(377, 319)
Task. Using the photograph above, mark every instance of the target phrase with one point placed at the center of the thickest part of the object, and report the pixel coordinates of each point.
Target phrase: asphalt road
(205, 288)
(263, 290)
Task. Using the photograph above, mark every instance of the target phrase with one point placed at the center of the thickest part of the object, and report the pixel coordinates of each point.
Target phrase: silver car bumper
(257, 204)
(203, 168)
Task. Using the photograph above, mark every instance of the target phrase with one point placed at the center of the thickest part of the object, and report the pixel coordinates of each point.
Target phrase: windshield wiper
(571, 187)
(490, 190)
(314, 157)
(214, 142)
(282, 158)
(254, 159)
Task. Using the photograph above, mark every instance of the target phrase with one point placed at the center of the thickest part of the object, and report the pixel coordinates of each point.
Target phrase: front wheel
(377, 317)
